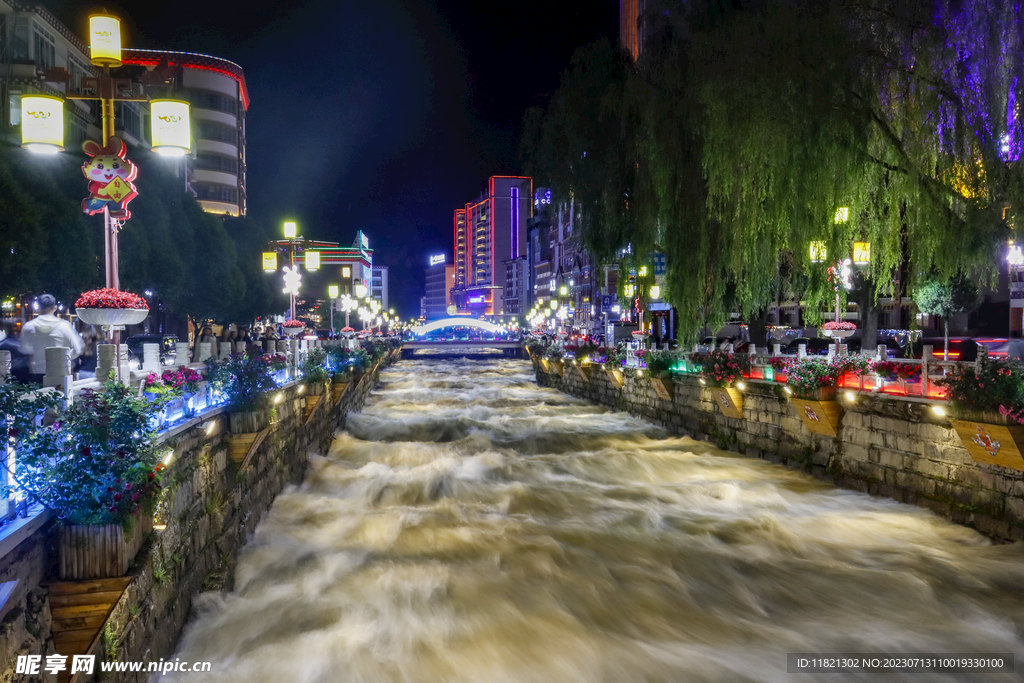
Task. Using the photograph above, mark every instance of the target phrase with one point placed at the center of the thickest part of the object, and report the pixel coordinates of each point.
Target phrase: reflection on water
(472, 527)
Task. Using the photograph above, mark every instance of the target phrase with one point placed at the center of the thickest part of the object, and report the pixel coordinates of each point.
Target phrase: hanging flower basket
(109, 307)
(294, 328)
(838, 330)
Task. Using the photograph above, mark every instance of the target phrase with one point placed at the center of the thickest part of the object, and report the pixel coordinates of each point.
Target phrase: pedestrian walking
(46, 331)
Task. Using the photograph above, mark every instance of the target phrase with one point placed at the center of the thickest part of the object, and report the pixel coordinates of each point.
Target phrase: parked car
(962, 348)
(167, 348)
(323, 333)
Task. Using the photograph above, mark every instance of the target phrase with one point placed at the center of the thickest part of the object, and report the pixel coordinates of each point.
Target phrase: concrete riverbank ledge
(210, 507)
(883, 445)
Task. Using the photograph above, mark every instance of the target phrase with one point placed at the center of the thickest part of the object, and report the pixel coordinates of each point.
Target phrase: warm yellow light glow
(210, 427)
(862, 252)
(701, 380)
(818, 252)
(563, 290)
(629, 290)
(168, 457)
(741, 386)
(655, 292)
(554, 305)
(643, 271)
(171, 127)
(939, 410)
(346, 271)
(290, 230)
(42, 123)
(787, 390)
(360, 290)
(105, 40)
(333, 291)
(312, 260)
(842, 214)
(850, 396)
(302, 388)
(278, 398)
(269, 261)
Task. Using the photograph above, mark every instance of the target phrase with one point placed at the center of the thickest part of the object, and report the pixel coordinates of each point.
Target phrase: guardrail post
(225, 349)
(151, 358)
(106, 362)
(881, 352)
(5, 364)
(801, 350)
(182, 354)
(205, 351)
(58, 366)
(926, 355)
(776, 349)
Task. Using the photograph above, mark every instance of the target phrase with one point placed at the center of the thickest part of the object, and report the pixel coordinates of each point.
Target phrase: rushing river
(472, 527)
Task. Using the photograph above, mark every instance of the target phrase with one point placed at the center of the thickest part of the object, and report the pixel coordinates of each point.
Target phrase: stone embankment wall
(886, 446)
(210, 509)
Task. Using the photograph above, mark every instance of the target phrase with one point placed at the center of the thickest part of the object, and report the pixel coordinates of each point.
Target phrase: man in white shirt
(46, 331)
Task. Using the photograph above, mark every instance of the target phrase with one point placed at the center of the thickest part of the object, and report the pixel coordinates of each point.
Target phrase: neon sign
(434, 260)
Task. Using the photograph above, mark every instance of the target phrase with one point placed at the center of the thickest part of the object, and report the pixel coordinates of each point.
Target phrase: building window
(216, 193)
(43, 47)
(128, 116)
(208, 130)
(208, 100)
(216, 162)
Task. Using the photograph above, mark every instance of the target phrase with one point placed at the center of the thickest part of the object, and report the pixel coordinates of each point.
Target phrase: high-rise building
(379, 285)
(217, 92)
(489, 232)
(440, 281)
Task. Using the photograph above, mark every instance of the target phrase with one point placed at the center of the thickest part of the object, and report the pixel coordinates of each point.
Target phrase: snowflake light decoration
(292, 280)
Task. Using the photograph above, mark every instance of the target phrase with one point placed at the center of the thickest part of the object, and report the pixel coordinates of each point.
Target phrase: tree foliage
(748, 130)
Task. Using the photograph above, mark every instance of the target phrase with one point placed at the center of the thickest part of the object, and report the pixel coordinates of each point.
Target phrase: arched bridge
(461, 335)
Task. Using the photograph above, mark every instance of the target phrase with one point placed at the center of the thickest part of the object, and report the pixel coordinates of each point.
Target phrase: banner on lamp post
(269, 261)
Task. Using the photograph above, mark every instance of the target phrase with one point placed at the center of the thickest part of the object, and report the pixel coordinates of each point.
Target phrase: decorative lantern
(861, 252)
(105, 40)
(842, 214)
(42, 123)
(333, 291)
(171, 127)
(818, 252)
(655, 292)
(289, 230)
(312, 260)
(269, 261)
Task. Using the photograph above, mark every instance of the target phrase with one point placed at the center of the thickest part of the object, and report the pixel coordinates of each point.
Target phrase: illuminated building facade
(487, 233)
(217, 91)
(440, 281)
(629, 26)
(379, 285)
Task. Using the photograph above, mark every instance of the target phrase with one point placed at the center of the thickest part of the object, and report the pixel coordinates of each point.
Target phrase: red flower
(117, 497)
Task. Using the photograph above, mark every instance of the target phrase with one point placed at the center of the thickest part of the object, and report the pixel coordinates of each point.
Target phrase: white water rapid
(472, 527)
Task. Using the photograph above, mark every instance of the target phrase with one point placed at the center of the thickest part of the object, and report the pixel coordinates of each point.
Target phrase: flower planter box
(556, 367)
(545, 366)
(615, 377)
(338, 387)
(820, 412)
(100, 551)
(664, 388)
(728, 400)
(583, 371)
(316, 389)
(990, 438)
(245, 428)
(311, 404)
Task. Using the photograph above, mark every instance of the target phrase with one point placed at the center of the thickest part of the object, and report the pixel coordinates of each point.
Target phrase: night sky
(383, 115)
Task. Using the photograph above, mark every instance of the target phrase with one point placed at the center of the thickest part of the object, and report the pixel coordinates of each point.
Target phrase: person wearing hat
(45, 331)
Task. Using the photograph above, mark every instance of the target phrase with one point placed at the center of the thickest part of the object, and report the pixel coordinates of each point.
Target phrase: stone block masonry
(210, 509)
(886, 446)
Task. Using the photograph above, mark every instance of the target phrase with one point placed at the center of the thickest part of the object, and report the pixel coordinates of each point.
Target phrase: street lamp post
(332, 293)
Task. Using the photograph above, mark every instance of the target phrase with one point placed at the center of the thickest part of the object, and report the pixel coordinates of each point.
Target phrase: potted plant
(96, 468)
(245, 383)
(659, 366)
(776, 367)
(721, 370)
(580, 355)
(553, 359)
(987, 404)
(111, 308)
(612, 358)
(155, 389)
(184, 379)
(813, 382)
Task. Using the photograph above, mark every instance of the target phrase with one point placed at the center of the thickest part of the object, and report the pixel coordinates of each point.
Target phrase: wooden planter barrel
(615, 377)
(820, 412)
(729, 400)
(583, 371)
(100, 551)
(990, 438)
(245, 427)
(663, 387)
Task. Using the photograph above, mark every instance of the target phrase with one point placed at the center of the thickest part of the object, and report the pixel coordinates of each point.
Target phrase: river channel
(472, 527)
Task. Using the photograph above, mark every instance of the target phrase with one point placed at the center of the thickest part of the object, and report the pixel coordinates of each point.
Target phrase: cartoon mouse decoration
(110, 178)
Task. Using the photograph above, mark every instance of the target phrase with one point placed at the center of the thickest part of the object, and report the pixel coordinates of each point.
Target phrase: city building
(40, 55)
(630, 36)
(440, 280)
(349, 267)
(217, 92)
(487, 233)
(379, 285)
